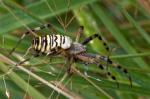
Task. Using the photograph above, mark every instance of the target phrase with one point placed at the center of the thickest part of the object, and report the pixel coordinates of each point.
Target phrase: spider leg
(79, 32)
(90, 38)
(109, 74)
(124, 70)
(21, 62)
(69, 62)
(31, 31)
(25, 60)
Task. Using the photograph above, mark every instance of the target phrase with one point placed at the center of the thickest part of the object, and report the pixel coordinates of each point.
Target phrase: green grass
(123, 24)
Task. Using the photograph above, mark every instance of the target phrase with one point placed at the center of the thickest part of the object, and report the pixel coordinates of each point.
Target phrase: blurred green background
(124, 24)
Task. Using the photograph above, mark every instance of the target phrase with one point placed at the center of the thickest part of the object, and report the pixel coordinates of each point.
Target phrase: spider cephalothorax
(72, 51)
(76, 48)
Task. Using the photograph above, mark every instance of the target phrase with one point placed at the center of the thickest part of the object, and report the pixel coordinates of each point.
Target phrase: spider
(72, 51)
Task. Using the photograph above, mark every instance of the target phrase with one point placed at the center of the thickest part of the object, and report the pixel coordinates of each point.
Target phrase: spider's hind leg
(124, 70)
(109, 74)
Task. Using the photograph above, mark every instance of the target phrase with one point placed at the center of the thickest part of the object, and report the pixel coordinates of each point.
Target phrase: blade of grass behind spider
(137, 26)
(21, 83)
(144, 54)
(117, 34)
(33, 16)
(142, 9)
(109, 85)
(39, 9)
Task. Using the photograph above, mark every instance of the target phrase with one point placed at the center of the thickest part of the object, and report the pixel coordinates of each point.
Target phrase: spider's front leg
(92, 37)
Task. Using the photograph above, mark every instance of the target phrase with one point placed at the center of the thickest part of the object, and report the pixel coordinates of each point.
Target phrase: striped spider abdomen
(48, 43)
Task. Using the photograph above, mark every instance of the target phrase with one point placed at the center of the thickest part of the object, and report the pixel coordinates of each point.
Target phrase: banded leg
(90, 38)
(124, 70)
(79, 32)
(26, 33)
(109, 75)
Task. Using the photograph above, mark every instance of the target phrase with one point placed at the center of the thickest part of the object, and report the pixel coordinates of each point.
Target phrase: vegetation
(124, 24)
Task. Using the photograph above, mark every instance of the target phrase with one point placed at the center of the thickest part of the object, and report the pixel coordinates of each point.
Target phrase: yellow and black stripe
(48, 43)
